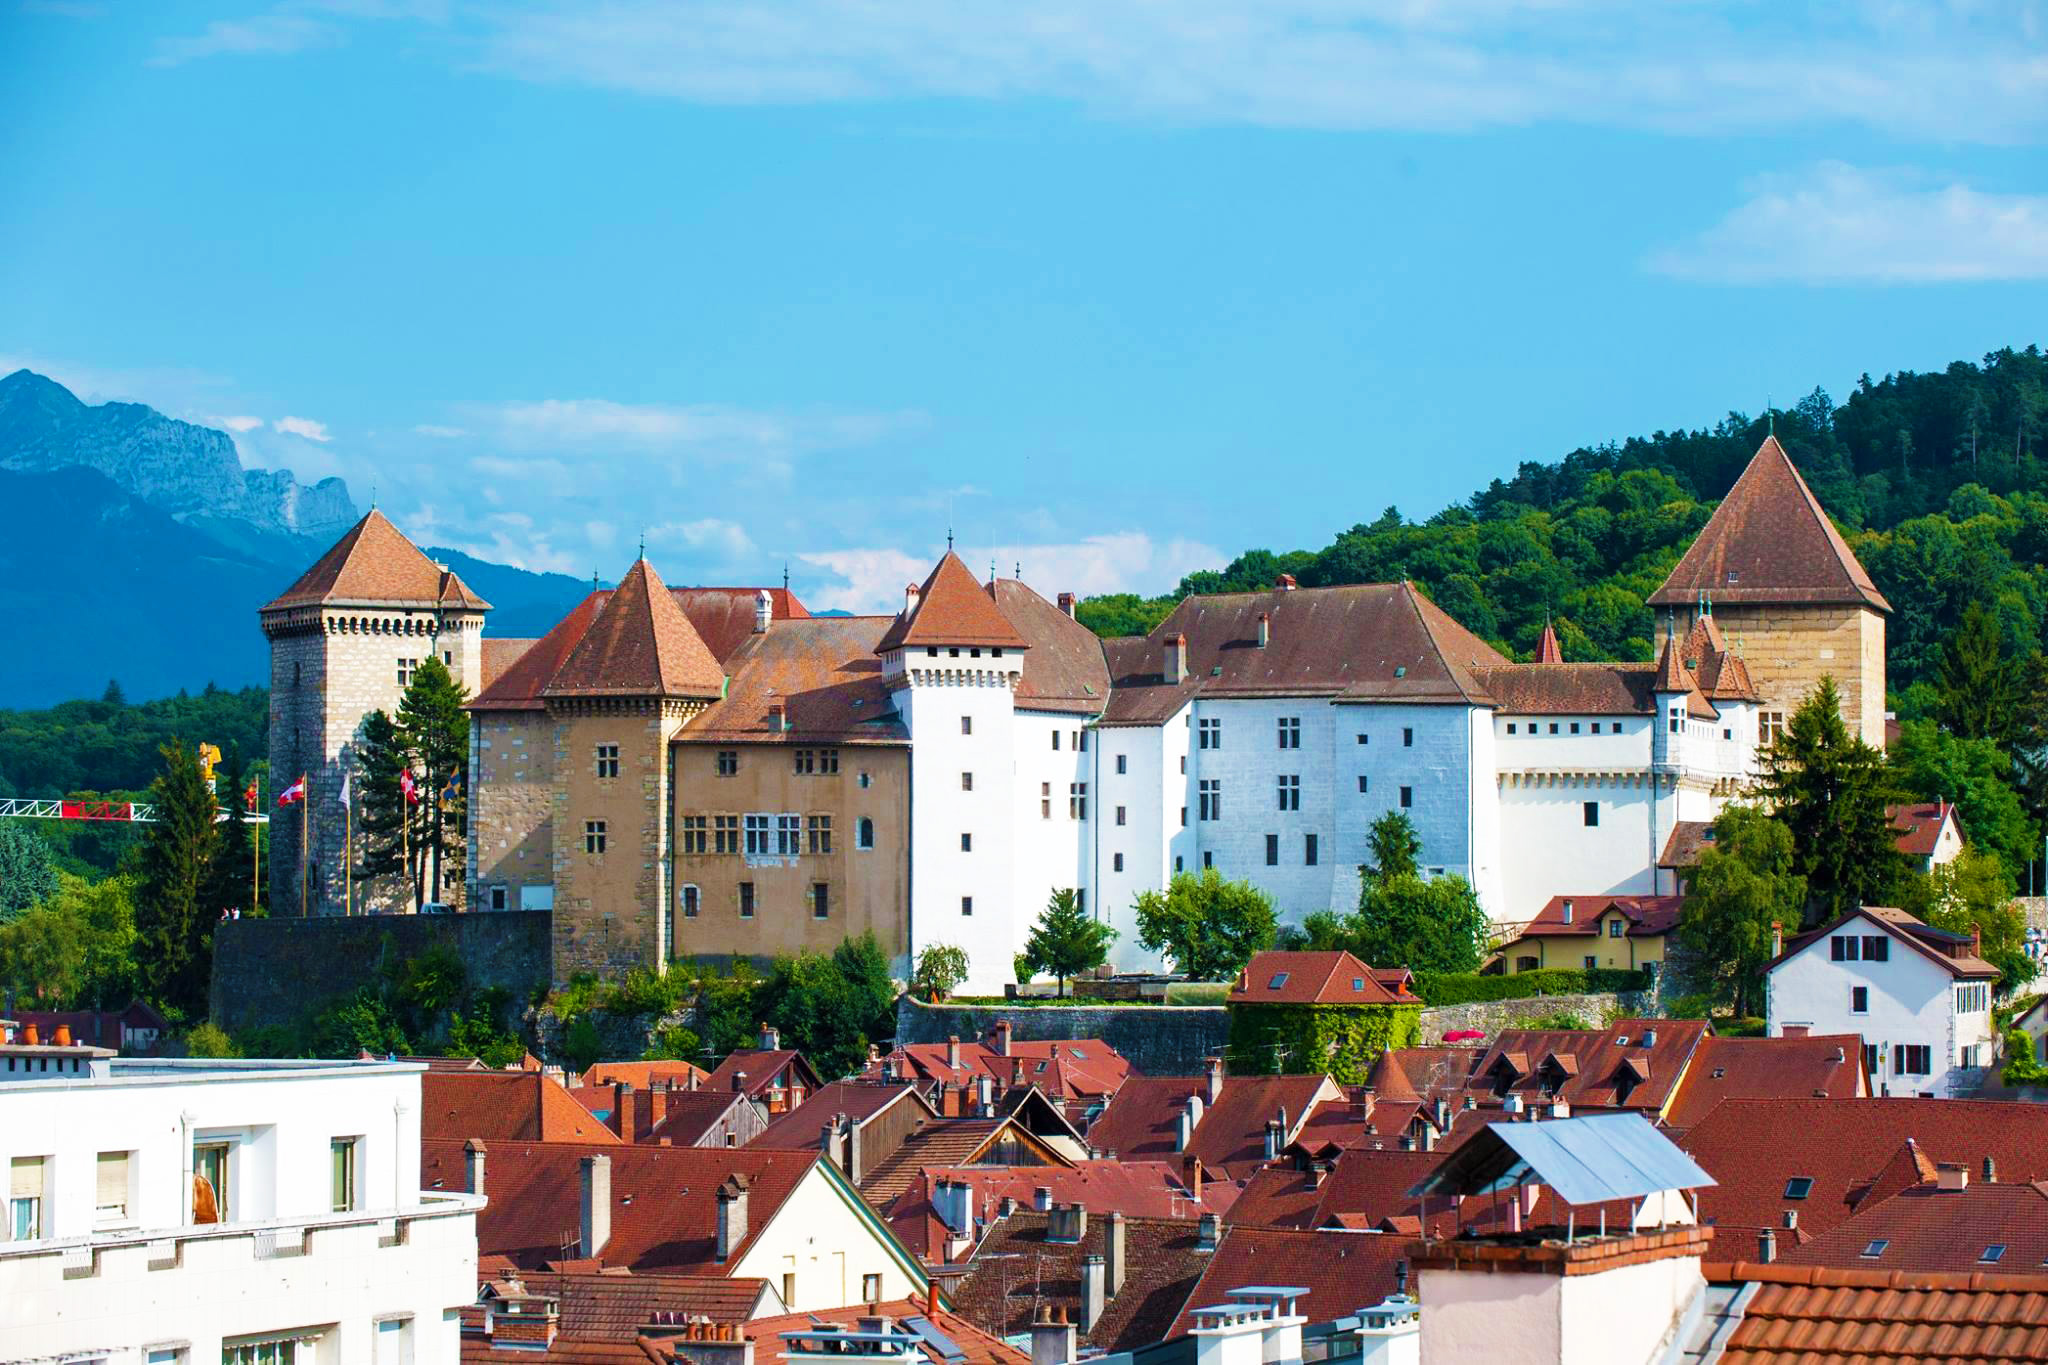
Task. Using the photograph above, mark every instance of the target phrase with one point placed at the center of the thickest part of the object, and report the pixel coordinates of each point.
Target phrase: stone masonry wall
(1788, 649)
(276, 971)
(511, 806)
(1491, 1016)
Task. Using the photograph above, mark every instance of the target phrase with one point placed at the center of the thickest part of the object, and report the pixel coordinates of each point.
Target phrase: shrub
(210, 1040)
(581, 1047)
(1465, 988)
(941, 967)
(2021, 1067)
(672, 1044)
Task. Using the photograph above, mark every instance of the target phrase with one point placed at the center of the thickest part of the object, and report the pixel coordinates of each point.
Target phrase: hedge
(1465, 988)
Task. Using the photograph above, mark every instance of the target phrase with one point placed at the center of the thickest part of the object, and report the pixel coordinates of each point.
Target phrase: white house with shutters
(1919, 996)
(253, 1213)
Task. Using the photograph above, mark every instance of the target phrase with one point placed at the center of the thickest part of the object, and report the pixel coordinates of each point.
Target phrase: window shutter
(25, 1181)
(113, 1181)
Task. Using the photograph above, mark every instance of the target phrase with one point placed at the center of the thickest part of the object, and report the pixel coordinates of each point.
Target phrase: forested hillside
(1938, 480)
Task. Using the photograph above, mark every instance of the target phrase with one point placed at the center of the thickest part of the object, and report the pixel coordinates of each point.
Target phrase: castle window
(1770, 725)
(864, 833)
(967, 905)
(1045, 800)
(1209, 733)
(1408, 737)
(828, 761)
(725, 831)
(1081, 741)
(1272, 850)
(966, 725)
(1180, 864)
(1575, 727)
(406, 669)
(497, 898)
(1122, 763)
(865, 781)
(967, 782)
(1308, 849)
(818, 828)
(1290, 791)
(1077, 800)
(1290, 732)
(696, 834)
(593, 836)
(966, 843)
(1116, 862)
(746, 900)
(1208, 858)
(1120, 815)
(820, 905)
(759, 835)
(1591, 814)
(1511, 727)
(1055, 741)
(693, 900)
(787, 830)
(1407, 797)
(607, 760)
(1210, 798)
(1553, 727)
(1364, 784)
(728, 762)
(804, 761)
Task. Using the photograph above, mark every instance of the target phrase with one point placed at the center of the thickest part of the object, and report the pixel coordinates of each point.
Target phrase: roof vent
(1286, 583)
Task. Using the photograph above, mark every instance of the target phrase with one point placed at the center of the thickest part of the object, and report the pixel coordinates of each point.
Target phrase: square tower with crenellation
(344, 642)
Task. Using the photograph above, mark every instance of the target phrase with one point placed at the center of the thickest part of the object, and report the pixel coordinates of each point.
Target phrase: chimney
(1194, 1107)
(1777, 938)
(985, 1094)
(1286, 583)
(1052, 1341)
(732, 1215)
(828, 1142)
(1511, 1104)
(1067, 1223)
(910, 599)
(1953, 1176)
(1191, 1176)
(1183, 1130)
(1215, 1088)
(473, 1165)
(1041, 1198)
(1990, 1170)
(622, 1110)
(597, 1206)
(657, 1105)
(1317, 1171)
(855, 1167)
(1208, 1231)
(708, 1343)
(1976, 943)
(1113, 1251)
(1766, 1247)
(1840, 1055)
(1094, 1291)
(1002, 1033)
(1443, 1114)
(1176, 658)
(764, 611)
(739, 1082)
(1265, 629)
(1067, 603)
(953, 1051)
(1272, 1139)
(1567, 912)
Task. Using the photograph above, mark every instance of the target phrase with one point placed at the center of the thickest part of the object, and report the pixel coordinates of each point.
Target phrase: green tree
(1977, 690)
(434, 733)
(231, 885)
(1974, 893)
(173, 923)
(388, 829)
(1934, 765)
(27, 874)
(1066, 941)
(1395, 846)
(1206, 927)
(1746, 879)
(830, 1008)
(42, 955)
(941, 967)
(1830, 789)
(1427, 925)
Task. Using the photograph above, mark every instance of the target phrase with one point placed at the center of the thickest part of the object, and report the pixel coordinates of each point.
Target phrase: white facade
(327, 1252)
(1903, 1001)
(825, 1248)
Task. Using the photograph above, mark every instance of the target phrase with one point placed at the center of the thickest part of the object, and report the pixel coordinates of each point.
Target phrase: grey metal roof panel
(1586, 1160)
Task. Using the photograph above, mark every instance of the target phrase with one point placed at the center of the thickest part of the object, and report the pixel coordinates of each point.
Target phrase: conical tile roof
(639, 645)
(374, 563)
(1769, 541)
(1672, 674)
(952, 609)
(1548, 651)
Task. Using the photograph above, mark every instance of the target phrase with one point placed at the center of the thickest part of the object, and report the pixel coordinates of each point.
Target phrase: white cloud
(238, 425)
(600, 426)
(439, 433)
(273, 35)
(726, 541)
(872, 580)
(1837, 224)
(304, 427)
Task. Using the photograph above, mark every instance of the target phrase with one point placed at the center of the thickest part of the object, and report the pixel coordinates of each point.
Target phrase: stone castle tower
(1788, 595)
(344, 641)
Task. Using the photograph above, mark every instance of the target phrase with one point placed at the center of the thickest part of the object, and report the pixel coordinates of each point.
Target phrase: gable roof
(639, 645)
(821, 670)
(374, 564)
(1588, 1064)
(1359, 642)
(1944, 949)
(1766, 1068)
(679, 1075)
(763, 1069)
(1017, 1269)
(1137, 1189)
(1918, 826)
(1229, 1139)
(1342, 1271)
(1930, 1228)
(664, 1204)
(1332, 977)
(858, 1100)
(519, 685)
(945, 1143)
(1064, 668)
(1769, 541)
(973, 1346)
(611, 1306)
(1647, 916)
(691, 1115)
(504, 1105)
(951, 610)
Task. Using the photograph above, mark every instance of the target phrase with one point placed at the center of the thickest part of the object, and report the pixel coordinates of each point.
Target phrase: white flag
(345, 775)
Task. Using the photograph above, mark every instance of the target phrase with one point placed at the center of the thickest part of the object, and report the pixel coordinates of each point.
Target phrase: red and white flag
(295, 793)
(409, 787)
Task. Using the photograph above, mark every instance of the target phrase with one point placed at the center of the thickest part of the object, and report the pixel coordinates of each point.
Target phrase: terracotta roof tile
(1647, 916)
(765, 1070)
(1230, 1139)
(664, 1206)
(1769, 541)
(1137, 1189)
(519, 685)
(1408, 1073)
(858, 1100)
(1361, 642)
(1342, 1271)
(1813, 1315)
(1919, 826)
(1016, 1269)
(1064, 668)
(640, 645)
(952, 609)
(1335, 977)
(976, 1346)
(678, 1074)
(1586, 1068)
(1548, 650)
(504, 1105)
(373, 562)
(499, 655)
(692, 1114)
(618, 1306)
(724, 617)
(944, 1143)
(822, 670)
(1571, 689)
(1766, 1068)
(1067, 1069)
(1929, 1228)
(1688, 837)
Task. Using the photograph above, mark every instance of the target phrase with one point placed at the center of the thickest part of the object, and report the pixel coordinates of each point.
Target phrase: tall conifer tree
(173, 923)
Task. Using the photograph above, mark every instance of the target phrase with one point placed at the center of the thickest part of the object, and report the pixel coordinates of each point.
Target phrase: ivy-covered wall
(1343, 1040)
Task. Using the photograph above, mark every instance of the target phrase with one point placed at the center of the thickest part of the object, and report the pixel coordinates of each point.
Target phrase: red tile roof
(664, 1206)
(1230, 1139)
(504, 1105)
(518, 687)
(1067, 1069)
(943, 1144)
(1137, 1189)
(1016, 1269)
(1753, 1147)
(1807, 1315)
(765, 1070)
(976, 1346)
(1562, 689)
(1311, 978)
(1929, 1228)
(1363, 642)
(1548, 650)
(1064, 669)
(1919, 826)
(1769, 541)
(639, 645)
(373, 563)
(499, 655)
(724, 617)
(1585, 1068)
(1950, 952)
(1767, 1069)
(616, 1306)
(1647, 916)
(1342, 1271)
(1688, 837)
(859, 1100)
(678, 1074)
(1407, 1073)
(951, 609)
(822, 671)
(692, 1114)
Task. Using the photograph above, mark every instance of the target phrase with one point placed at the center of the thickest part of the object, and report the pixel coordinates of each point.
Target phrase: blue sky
(1120, 289)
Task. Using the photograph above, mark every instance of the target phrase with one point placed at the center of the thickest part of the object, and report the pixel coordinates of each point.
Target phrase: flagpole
(348, 855)
(305, 818)
(256, 854)
(405, 845)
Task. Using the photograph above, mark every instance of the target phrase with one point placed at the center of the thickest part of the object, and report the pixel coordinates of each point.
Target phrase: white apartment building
(247, 1212)
(1919, 996)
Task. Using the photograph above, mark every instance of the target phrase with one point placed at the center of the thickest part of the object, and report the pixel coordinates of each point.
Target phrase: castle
(715, 772)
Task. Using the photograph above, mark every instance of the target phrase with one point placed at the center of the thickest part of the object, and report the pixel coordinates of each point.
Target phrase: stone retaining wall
(1491, 1016)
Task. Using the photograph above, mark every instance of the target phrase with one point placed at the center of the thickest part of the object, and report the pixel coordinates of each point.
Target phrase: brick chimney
(657, 1105)
(623, 1105)
(1176, 668)
(1066, 601)
(1052, 1337)
(596, 1221)
(1002, 1035)
(1265, 629)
